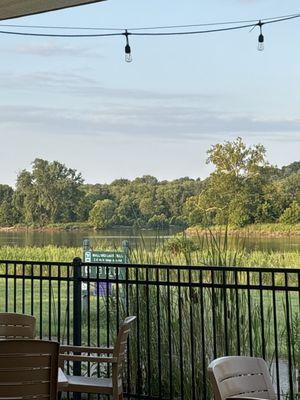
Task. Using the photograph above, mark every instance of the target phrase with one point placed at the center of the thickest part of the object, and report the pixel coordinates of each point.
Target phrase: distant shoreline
(49, 228)
(255, 230)
(65, 227)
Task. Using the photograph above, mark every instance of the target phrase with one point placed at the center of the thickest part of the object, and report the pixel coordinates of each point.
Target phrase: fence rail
(186, 316)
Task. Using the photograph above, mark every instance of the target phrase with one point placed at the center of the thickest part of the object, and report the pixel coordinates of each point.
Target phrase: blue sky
(77, 101)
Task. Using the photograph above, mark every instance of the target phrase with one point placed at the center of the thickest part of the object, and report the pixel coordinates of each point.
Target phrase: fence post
(77, 262)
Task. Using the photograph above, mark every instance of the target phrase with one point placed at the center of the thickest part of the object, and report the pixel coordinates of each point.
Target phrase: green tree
(277, 195)
(291, 215)
(127, 210)
(26, 200)
(89, 195)
(235, 159)
(291, 168)
(231, 193)
(7, 210)
(48, 194)
(102, 214)
(146, 179)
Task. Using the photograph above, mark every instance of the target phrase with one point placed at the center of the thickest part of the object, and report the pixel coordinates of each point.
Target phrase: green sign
(109, 257)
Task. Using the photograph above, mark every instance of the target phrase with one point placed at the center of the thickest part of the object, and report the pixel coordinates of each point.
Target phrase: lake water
(74, 238)
(115, 237)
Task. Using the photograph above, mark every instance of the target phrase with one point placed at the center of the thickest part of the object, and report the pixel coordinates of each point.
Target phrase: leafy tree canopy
(236, 158)
(242, 189)
(48, 194)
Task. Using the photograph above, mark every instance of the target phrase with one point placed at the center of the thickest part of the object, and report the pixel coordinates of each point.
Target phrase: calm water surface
(114, 237)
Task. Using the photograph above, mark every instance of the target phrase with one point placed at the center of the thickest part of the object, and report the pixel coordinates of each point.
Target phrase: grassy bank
(68, 226)
(255, 230)
(163, 255)
(47, 253)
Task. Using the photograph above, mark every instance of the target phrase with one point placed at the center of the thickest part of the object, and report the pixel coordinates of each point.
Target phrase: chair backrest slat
(14, 325)
(28, 368)
(239, 375)
(244, 384)
(23, 375)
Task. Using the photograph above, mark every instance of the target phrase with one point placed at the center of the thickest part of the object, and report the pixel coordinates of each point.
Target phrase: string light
(128, 56)
(235, 25)
(236, 22)
(261, 39)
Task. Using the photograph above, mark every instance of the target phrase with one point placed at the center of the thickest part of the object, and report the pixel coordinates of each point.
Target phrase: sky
(78, 102)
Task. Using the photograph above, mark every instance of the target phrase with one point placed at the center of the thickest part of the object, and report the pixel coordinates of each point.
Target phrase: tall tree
(48, 194)
(102, 214)
(25, 199)
(232, 190)
(7, 210)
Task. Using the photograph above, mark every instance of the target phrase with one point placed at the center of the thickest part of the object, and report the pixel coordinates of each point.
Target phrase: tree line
(243, 189)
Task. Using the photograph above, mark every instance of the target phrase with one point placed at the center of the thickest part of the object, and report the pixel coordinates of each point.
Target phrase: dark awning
(20, 8)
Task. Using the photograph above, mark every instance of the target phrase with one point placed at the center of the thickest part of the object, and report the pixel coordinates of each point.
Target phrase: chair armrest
(62, 380)
(73, 357)
(86, 349)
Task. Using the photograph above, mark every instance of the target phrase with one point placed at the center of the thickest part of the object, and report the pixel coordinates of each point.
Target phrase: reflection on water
(273, 244)
(114, 237)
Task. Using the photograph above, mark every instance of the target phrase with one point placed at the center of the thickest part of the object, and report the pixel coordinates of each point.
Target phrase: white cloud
(162, 122)
(51, 49)
(71, 83)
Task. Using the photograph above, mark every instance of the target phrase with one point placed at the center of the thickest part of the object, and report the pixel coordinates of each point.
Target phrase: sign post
(104, 271)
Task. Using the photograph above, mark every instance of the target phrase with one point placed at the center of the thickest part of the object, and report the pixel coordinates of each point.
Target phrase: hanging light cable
(138, 32)
(261, 39)
(128, 56)
(232, 22)
(134, 33)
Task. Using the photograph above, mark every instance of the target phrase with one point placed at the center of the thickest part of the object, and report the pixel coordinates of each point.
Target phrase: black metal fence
(186, 316)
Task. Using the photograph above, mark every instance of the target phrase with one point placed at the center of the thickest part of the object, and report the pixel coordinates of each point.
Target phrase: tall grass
(34, 253)
(208, 250)
(255, 230)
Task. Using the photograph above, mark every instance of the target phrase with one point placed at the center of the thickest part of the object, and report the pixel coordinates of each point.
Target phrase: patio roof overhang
(20, 8)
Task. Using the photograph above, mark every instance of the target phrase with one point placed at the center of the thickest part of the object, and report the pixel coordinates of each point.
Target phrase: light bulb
(128, 56)
(261, 42)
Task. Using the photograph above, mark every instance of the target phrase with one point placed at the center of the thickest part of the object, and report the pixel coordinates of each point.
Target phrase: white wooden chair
(13, 325)
(241, 378)
(84, 384)
(28, 369)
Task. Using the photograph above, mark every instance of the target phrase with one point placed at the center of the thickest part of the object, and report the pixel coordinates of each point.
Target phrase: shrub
(158, 221)
(180, 244)
(291, 215)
